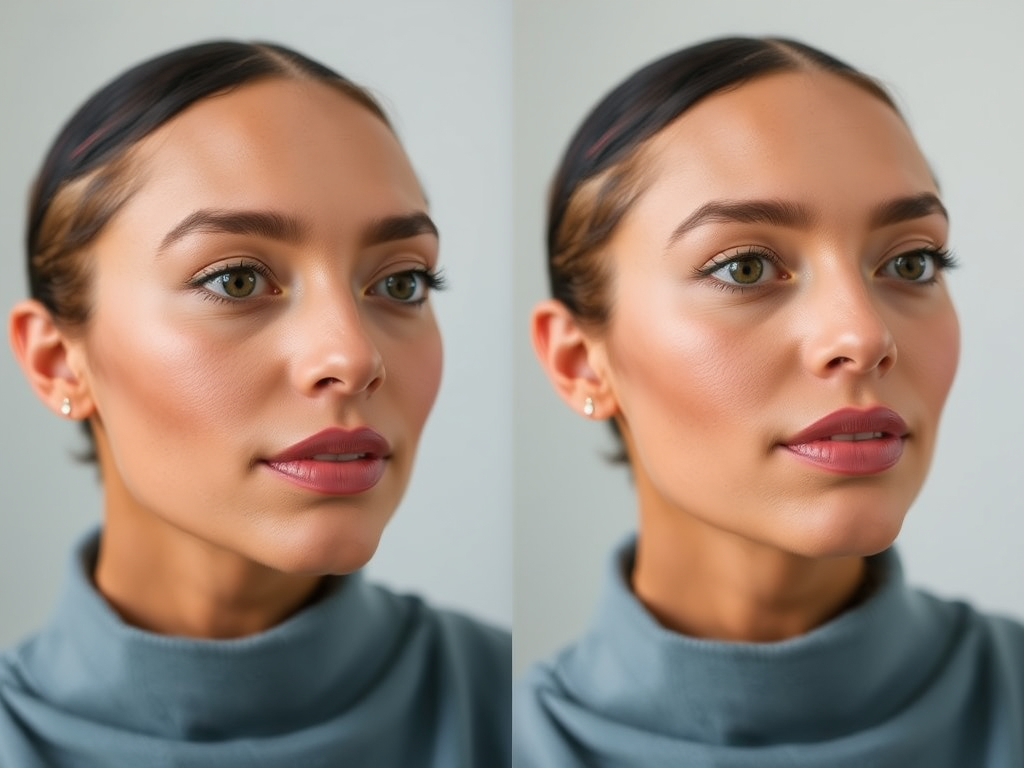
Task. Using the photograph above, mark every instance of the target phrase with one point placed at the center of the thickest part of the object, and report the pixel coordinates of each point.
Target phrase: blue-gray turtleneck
(904, 679)
(363, 677)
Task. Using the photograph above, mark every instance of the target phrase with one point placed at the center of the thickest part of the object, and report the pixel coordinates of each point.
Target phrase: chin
(853, 534)
(322, 553)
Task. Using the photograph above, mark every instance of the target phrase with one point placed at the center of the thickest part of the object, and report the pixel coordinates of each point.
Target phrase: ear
(52, 362)
(573, 359)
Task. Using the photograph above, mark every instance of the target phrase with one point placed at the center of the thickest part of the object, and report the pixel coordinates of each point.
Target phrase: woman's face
(781, 269)
(260, 355)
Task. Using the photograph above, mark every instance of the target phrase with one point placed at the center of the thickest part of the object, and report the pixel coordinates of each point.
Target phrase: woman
(747, 254)
(230, 263)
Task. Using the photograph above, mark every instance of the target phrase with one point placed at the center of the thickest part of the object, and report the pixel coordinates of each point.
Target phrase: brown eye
(919, 266)
(408, 287)
(403, 286)
(911, 266)
(744, 267)
(746, 271)
(238, 283)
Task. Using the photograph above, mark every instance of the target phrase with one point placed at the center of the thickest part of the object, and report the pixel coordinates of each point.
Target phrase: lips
(334, 461)
(852, 441)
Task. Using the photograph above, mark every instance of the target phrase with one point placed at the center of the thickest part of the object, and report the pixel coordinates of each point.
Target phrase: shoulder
(545, 710)
(468, 663)
(469, 642)
(999, 644)
(17, 743)
(980, 656)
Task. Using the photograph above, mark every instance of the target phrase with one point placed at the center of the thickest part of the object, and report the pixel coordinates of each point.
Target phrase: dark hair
(602, 172)
(88, 174)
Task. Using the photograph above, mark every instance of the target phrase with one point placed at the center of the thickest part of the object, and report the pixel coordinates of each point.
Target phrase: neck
(704, 582)
(165, 580)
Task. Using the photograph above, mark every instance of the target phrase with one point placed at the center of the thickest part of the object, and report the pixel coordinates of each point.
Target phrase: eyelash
(200, 281)
(747, 253)
(942, 259)
(433, 279)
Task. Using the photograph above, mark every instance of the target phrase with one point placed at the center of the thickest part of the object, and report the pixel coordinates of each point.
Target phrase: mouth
(339, 456)
(857, 436)
(852, 441)
(334, 462)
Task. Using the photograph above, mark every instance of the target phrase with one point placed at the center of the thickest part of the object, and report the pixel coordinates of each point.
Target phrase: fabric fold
(361, 677)
(903, 679)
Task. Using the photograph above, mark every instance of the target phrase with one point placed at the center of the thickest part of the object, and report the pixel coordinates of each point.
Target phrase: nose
(847, 331)
(331, 349)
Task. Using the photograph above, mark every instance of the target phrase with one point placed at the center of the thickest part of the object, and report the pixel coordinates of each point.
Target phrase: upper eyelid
(201, 280)
(227, 265)
(730, 255)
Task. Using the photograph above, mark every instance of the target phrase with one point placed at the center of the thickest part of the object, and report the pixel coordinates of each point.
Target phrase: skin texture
(739, 539)
(189, 392)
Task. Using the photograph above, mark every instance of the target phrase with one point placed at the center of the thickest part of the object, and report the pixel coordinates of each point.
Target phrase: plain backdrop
(443, 71)
(957, 72)
(484, 94)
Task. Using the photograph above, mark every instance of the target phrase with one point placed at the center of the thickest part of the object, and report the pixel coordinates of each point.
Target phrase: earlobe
(45, 355)
(572, 359)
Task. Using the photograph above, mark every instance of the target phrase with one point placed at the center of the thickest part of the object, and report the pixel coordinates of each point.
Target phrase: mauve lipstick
(335, 461)
(851, 441)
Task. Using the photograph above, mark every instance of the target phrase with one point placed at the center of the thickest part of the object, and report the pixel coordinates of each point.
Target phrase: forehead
(794, 134)
(298, 146)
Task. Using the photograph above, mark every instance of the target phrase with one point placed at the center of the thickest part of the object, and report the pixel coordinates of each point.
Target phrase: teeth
(857, 436)
(338, 456)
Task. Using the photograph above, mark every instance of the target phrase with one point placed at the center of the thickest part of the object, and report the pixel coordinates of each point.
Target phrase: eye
(408, 287)
(238, 282)
(746, 268)
(918, 266)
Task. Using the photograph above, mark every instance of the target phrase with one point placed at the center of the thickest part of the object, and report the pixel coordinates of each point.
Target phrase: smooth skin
(191, 383)
(728, 338)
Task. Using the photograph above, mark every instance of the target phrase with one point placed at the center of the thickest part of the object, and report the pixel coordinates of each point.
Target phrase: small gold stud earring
(65, 407)
(588, 407)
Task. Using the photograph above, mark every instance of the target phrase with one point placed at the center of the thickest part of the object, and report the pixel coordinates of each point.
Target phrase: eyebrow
(399, 227)
(278, 226)
(777, 213)
(907, 209)
(210, 221)
(781, 213)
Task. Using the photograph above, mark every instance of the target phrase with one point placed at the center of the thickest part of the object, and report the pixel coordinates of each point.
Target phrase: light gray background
(443, 70)
(957, 72)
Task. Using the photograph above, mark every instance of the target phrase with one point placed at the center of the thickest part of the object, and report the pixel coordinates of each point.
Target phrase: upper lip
(336, 441)
(847, 421)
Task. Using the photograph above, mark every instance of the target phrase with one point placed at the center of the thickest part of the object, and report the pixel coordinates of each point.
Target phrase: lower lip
(850, 457)
(338, 478)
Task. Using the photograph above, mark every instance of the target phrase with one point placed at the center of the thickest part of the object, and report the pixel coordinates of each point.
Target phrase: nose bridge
(848, 329)
(333, 348)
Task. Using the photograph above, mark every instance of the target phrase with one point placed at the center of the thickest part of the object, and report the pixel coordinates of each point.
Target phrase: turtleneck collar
(751, 693)
(332, 651)
(362, 677)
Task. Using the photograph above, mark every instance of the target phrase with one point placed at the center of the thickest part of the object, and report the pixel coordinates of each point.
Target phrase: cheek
(684, 380)
(412, 368)
(932, 351)
(158, 382)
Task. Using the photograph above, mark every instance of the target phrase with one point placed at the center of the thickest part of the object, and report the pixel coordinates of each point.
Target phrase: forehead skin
(809, 137)
(278, 144)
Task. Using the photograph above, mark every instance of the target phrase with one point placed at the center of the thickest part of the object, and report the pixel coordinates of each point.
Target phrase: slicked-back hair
(604, 169)
(89, 172)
